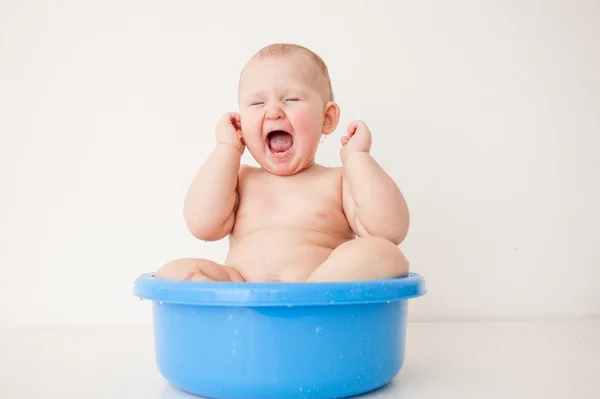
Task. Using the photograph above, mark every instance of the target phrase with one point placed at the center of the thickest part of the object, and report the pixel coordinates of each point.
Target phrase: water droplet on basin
(233, 351)
(318, 329)
(341, 356)
(160, 302)
(230, 317)
(300, 389)
(235, 332)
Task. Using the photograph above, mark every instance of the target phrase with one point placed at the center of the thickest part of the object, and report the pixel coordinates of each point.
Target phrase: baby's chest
(316, 205)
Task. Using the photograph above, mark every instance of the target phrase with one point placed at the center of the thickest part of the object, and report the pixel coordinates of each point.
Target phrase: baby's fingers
(235, 120)
(352, 126)
(345, 140)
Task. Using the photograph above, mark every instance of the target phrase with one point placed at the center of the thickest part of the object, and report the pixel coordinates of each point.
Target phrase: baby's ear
(332, 117)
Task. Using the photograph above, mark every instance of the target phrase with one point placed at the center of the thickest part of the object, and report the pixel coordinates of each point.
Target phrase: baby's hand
(228, 131)
(358, 138)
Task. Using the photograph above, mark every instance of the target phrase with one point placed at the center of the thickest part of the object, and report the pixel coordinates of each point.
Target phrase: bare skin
(292, 220)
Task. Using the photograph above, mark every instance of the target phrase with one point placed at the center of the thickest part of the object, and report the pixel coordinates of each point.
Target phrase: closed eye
(257, 103)
(293, 99)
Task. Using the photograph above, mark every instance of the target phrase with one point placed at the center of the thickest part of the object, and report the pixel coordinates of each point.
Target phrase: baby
(292, 220)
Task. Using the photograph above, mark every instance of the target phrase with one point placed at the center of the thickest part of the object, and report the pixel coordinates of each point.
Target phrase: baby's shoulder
(327, 172)
(247, 172)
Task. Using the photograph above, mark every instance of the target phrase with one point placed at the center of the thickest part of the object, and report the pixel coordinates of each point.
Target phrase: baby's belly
(280, 254)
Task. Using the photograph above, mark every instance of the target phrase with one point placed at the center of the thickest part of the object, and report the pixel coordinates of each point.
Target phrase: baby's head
(285, 105)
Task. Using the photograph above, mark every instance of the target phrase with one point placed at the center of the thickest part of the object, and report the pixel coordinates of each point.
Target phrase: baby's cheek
(252, 136)
(249, 124)
(309, 120)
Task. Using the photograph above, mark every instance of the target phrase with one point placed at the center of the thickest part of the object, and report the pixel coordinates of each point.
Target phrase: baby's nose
(273, 111)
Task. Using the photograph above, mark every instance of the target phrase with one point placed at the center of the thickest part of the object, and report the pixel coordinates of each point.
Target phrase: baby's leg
(197, 270)
(367, 258)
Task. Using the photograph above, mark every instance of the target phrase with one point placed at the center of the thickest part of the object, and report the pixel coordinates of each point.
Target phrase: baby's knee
(380, 245)
(164, 270)
(386, 250)
(174, 270)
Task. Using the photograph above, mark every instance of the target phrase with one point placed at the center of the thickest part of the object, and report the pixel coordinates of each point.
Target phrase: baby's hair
(283, 49)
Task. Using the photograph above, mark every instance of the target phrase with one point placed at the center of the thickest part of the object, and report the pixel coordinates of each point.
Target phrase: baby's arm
(372, 201)
(209, 208)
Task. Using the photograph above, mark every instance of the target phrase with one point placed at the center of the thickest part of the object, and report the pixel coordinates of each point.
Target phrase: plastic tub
(279, 340)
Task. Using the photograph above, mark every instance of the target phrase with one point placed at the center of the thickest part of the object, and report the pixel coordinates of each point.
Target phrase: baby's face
(282, 112)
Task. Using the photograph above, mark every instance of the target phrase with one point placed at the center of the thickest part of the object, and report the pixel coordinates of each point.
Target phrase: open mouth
(280, 142)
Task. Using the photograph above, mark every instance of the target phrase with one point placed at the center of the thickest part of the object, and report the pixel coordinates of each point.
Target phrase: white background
(487, 114)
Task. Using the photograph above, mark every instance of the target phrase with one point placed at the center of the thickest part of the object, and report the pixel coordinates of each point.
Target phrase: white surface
(486, 116)
(520, 360)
